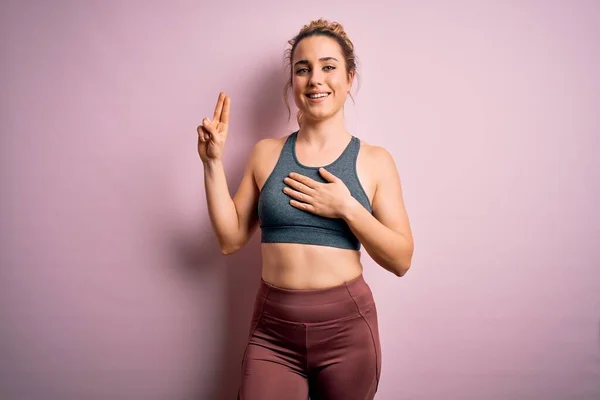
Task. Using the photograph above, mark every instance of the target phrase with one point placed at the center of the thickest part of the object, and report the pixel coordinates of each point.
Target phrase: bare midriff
(300, 266)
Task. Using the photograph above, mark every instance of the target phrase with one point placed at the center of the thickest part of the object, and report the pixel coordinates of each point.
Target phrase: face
(319, 78)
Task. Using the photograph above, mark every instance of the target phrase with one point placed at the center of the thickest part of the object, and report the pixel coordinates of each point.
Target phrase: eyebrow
(322, 59)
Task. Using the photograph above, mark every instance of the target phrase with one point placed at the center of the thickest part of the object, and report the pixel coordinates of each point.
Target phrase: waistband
(353, 287)
(347, 300)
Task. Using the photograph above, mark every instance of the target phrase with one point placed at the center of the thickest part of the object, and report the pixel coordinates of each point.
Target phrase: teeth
(317, 96)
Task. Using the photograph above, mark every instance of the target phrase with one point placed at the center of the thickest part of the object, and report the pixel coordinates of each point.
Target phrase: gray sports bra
(280, 222)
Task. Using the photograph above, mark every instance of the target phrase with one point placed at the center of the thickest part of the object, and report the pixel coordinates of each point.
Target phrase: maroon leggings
(322, 343)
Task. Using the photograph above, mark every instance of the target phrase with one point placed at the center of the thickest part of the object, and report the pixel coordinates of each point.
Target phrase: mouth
(317, 96)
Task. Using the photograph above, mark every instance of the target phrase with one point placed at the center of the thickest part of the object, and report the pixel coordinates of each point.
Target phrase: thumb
(328, 175)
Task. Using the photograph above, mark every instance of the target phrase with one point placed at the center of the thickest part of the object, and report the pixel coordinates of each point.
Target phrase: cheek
(298, 90)
(339, 82)
(332, 82)
(298, 83)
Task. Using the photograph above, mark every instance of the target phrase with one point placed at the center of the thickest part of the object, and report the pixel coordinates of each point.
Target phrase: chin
(321, 115)
(317, 117)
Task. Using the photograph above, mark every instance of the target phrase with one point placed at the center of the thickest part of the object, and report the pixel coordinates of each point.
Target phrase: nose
(316, 77)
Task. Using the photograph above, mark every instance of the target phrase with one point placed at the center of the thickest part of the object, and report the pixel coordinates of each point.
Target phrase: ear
(351, 77)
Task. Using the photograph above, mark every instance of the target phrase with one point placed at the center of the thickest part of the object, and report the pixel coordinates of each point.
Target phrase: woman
(318, 195)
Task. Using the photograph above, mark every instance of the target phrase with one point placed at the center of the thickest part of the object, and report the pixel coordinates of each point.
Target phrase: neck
(322, 133)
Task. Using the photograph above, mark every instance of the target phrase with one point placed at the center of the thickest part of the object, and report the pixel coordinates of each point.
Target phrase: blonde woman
(318, 195)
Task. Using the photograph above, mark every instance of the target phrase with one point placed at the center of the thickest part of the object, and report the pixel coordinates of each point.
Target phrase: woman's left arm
(386, 235)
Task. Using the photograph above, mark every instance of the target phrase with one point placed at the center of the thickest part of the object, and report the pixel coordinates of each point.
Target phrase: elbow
(400, 262)
(401, 271)
(407, 259)
(229, 249)
(234, 243)
(231, 246)
(401, 267)
(398, 266)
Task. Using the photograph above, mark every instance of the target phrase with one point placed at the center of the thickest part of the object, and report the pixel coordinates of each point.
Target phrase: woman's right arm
(233, 219)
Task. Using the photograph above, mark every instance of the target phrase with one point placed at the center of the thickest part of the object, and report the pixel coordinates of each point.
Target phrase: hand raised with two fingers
(212, 135)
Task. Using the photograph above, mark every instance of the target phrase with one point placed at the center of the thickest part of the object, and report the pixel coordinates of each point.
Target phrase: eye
(329, 68)
(301, 70)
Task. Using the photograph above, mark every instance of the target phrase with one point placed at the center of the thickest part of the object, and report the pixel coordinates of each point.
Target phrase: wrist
(212, 166)
(350, 209)
(212, 163)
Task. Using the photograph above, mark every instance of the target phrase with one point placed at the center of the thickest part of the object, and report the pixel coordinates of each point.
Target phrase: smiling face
(320, 80)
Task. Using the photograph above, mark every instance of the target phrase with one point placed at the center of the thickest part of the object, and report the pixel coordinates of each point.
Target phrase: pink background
(111, 284)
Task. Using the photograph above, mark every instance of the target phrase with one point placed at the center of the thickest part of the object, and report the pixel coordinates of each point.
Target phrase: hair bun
(321, 25)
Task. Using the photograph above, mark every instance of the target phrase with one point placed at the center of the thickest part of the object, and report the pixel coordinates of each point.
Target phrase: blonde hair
(320, 27)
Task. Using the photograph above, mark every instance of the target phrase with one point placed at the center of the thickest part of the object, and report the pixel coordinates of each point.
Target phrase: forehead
(314, 47)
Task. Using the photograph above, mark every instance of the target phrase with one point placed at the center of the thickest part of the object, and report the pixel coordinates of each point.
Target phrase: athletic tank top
(280, 222)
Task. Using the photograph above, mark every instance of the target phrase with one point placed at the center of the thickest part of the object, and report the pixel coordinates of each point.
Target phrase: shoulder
(265, 154)
(268, 146)
(381, 168)
(377, 157)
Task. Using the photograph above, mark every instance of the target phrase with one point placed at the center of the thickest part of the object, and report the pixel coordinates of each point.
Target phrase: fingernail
(205, 121)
